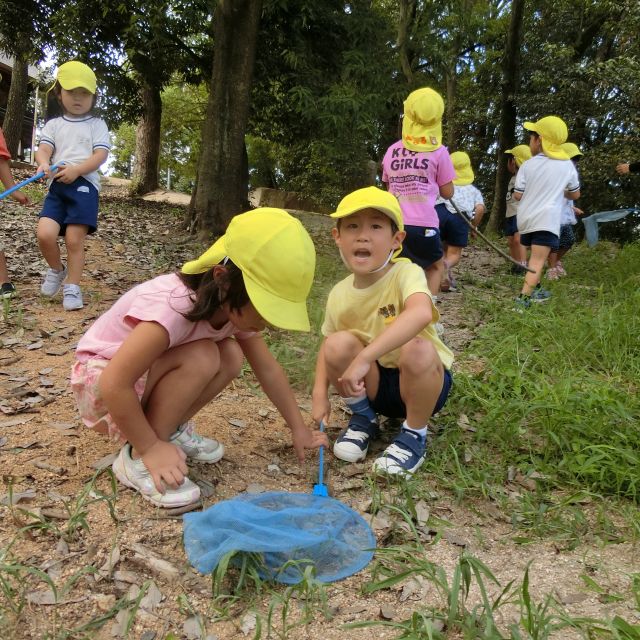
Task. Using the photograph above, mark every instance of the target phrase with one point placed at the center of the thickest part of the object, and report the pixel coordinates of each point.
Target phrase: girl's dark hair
(209, 295)
(54, 102)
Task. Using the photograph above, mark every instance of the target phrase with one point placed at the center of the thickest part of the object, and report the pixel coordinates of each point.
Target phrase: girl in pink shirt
(172, 344)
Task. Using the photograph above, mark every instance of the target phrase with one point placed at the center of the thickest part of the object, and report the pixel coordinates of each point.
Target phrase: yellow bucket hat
(462, 164)
(370, 198)
(521, 153)
(571, 149)
(74, 75)
(422, 122)
(277, 259)
(553, 132)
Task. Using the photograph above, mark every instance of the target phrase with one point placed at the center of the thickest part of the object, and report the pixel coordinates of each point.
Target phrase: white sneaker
(135, 475)
(71, 297)
(197, 447)
(53, 281)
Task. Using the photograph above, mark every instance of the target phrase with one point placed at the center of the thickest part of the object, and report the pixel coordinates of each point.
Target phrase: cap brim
(530, 126)
(418, 137)
(278, 312)
(388, 212)
(70, 85)
(212, 256)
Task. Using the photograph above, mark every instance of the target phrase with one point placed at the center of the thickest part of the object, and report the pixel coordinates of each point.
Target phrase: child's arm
(572, 195)
(320, 405)
(415, 316)
(70, 172)
(274, 383)
(43, 158)
(144, 345)
(7, 180)
(446, 190)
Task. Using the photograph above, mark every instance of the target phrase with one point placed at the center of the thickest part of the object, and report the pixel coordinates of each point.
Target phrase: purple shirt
(415, 178)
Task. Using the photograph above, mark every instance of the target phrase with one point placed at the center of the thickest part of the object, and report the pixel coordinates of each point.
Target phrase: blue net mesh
(282, 527)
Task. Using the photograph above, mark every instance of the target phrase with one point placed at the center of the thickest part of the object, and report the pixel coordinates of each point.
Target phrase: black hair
(209, 293)
(394, 226)
(54, 102)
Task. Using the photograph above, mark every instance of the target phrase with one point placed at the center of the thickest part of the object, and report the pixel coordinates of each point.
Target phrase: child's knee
(419, 357)
(341, 347)
(231, 357)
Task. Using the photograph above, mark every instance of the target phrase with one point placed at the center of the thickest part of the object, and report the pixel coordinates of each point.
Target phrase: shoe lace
(399, 453)
(356, 434)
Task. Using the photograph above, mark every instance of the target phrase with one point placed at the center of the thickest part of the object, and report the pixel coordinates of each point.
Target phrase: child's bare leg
(453, 255)
(421, 379)
(434, 276)
(74, 238)
(186, 378)
(553, 259)
(516, 250)
(539, 255)
(47, 234)
(4, 273)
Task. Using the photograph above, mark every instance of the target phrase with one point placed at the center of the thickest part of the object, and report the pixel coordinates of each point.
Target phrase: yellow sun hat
(553, 132)
(571, 149)
(75, 75)
(462, 164)
(277, 259)
(521, 153)
(370, 198)
(422, 121)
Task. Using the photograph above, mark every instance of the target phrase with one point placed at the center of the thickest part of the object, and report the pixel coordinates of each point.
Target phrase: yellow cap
(277, 259)
(553, 132)
(462, 164)
(521, 153)
(74, 75)
(571, 149)
(370, 198)
(422, 122)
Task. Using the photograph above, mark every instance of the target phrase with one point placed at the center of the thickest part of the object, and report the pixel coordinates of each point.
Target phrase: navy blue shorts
(541, 238)
(422, 245)
(511, 226)
(453, 229)
(388, 401)
(567, 237)
(75, 203)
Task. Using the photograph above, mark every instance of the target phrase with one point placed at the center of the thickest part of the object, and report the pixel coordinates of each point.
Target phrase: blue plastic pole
(19, 186)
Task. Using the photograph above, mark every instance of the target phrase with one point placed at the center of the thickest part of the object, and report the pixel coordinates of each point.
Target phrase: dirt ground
(47, 459)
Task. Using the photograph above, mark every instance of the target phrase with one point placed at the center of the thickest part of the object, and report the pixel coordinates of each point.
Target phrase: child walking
(541, 186)
(417, 169)
(516, 157)
(567, 221)
(381, 350)
(170, 345)
(79, 142)
(454, 232)
(7, 288)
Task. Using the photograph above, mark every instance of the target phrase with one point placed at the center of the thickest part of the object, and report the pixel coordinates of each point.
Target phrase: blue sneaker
(540, 295)
(352, 444)
(521, 304)
(404, 455)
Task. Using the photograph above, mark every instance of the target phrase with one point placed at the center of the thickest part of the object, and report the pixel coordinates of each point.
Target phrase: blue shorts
(75, 203)
(422, 245)
(541, 238)
(511, 226)
(453, 229)
(388, 401)
(567, 237)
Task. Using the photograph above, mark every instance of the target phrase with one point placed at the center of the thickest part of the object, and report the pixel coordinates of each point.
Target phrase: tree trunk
(406, 18)
(507, 127)
(16, 103)
(451, 85)
(147, 156)
(222, 187)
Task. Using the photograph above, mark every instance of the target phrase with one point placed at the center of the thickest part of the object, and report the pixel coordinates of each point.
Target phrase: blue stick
(320, 489)
(17, 187)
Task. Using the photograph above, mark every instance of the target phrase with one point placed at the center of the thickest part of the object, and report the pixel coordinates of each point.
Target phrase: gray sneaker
(53, 281)
(197, 447)
(72, 297)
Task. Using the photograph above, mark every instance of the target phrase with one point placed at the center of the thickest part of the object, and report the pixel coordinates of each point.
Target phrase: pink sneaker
(552, 274)
(560, 269)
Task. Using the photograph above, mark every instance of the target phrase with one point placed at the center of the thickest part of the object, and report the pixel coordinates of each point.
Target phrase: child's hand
(44, 168)
(68, 173)
(352, 380)
(20, 197)
(166, 464)
(320, 408)
(578, 212)
(305, 438)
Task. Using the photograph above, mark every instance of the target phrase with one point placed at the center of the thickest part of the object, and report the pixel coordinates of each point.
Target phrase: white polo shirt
(74, 139)
(542, 182)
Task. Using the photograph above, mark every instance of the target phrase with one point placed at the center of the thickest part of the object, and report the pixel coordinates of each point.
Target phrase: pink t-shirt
(4, 152)
(415, 178)
(163, 300)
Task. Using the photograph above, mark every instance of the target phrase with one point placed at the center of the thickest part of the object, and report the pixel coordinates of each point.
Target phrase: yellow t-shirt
(367, 312)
